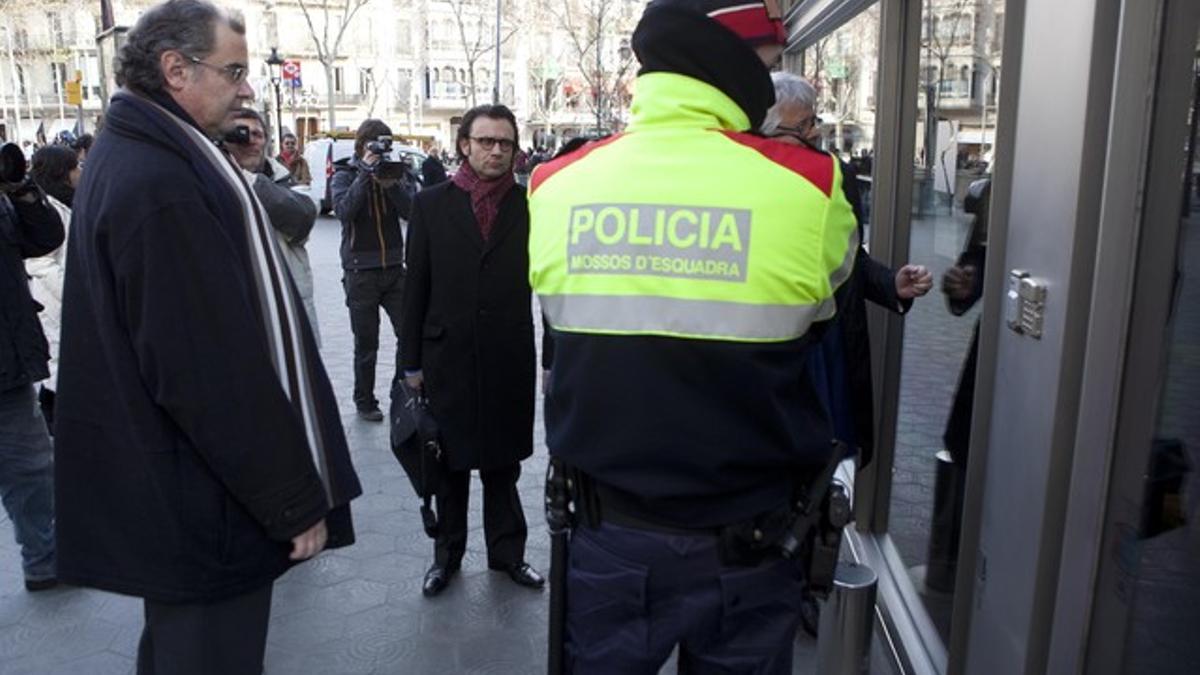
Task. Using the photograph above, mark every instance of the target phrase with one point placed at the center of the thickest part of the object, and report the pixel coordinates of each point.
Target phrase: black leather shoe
(521, 573)
(372, 414)
(437, 579)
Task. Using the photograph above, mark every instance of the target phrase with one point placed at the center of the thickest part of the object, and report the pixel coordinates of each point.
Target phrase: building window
(58, 75)
(339, 85)
(21, 79)
(404, 36)
(364, 80)
(57, 36)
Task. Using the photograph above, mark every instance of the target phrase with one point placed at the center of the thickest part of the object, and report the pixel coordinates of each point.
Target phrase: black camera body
(239, 135)
(386, 168)
(381, 146)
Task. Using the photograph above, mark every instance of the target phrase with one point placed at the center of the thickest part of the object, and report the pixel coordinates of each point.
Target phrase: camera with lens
(381, 146)
(239, 135)
(386, 168)
(12, 169)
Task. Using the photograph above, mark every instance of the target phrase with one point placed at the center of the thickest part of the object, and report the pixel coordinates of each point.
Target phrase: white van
(322, 153)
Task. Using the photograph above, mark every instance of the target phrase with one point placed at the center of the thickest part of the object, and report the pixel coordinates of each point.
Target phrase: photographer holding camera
(372, 196)
(292, 214)
(29, 227)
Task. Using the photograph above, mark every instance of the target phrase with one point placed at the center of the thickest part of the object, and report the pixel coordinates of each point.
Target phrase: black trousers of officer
(635, 595)
(366, 292)
(503, 518)
(227, 637)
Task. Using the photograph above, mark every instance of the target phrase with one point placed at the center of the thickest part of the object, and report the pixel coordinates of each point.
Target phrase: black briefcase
(417, 446)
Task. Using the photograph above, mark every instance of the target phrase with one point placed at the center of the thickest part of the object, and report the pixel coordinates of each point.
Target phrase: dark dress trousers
(469, 329)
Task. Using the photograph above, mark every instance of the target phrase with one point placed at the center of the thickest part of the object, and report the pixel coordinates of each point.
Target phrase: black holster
(822, 510)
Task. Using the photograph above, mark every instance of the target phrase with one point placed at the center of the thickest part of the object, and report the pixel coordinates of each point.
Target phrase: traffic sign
(291, 73)
(74, 92)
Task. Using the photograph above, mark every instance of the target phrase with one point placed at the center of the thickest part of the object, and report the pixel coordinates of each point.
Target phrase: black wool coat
(27, 230)
(182, 470)
(468, 325)
(874, 281)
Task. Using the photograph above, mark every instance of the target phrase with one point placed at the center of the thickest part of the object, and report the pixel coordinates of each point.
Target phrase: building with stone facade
(565, 66)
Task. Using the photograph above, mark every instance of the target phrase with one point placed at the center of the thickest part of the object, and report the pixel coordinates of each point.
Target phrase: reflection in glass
(959, 85)
(843, 68)
(1166, 592)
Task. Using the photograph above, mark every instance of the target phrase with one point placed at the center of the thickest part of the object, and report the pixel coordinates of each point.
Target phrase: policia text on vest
(698, 242)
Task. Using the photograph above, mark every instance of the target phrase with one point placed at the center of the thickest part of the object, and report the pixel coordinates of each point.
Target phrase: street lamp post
(599, 72)
(496, 80)
(275, 64)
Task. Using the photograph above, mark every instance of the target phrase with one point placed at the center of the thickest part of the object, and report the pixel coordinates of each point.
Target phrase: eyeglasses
(234, 73)
(804, 127)
(487, 143)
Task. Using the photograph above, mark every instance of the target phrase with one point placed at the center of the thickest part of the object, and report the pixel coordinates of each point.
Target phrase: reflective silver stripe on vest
(704, 319)
(842, 273)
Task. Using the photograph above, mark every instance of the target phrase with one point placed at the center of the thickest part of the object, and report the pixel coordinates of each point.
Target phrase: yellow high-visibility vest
(684, 226)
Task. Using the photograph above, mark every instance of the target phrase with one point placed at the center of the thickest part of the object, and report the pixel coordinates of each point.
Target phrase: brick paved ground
(358, 610)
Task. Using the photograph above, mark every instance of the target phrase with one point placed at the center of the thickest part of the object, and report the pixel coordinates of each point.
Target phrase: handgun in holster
(822, 510)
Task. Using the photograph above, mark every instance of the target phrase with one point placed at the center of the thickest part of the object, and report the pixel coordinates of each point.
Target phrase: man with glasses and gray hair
(200, 453)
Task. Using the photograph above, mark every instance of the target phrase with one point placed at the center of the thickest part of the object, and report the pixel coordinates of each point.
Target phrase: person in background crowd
(83, 145)
(433, 172)
(679, 401)
(199, 449)
(29, 227)
(56, 171)
(844, 369)
(468, 341)
(374, 211)
(293, 160)
(292, 213)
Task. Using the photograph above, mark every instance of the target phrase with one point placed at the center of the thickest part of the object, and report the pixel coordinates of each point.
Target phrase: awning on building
(811, 20)
(976, 136)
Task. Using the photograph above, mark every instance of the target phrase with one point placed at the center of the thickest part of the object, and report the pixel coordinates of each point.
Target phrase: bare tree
(942, 41)
(587, 24)
(328, 40)
(477, 33)
(375, 85)
(814, 65)
(545, 84)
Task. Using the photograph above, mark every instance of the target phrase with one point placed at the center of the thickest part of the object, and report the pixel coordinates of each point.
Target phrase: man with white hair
(845, 353)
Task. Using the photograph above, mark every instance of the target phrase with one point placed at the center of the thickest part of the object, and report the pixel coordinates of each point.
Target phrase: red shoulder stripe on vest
(814, 166)
(547, 169)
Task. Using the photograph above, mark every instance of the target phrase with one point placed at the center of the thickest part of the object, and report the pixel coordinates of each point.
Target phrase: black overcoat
(182, 470)
(468, 325)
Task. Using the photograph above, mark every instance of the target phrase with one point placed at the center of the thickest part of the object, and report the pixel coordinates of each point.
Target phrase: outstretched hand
(913, 281)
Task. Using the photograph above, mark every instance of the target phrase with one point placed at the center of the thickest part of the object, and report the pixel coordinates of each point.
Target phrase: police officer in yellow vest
(684, 267)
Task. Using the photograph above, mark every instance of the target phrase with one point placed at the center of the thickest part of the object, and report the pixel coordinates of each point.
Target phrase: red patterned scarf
(486, 195)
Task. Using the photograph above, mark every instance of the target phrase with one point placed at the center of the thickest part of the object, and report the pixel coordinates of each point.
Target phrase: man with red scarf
(467, 341)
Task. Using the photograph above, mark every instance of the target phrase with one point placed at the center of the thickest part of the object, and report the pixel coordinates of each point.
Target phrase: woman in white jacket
(56, 170)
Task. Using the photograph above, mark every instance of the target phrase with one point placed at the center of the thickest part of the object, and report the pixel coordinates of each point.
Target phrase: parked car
(321, 153)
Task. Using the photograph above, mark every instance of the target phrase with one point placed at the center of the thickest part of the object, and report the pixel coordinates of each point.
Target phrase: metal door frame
(1126, 347)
